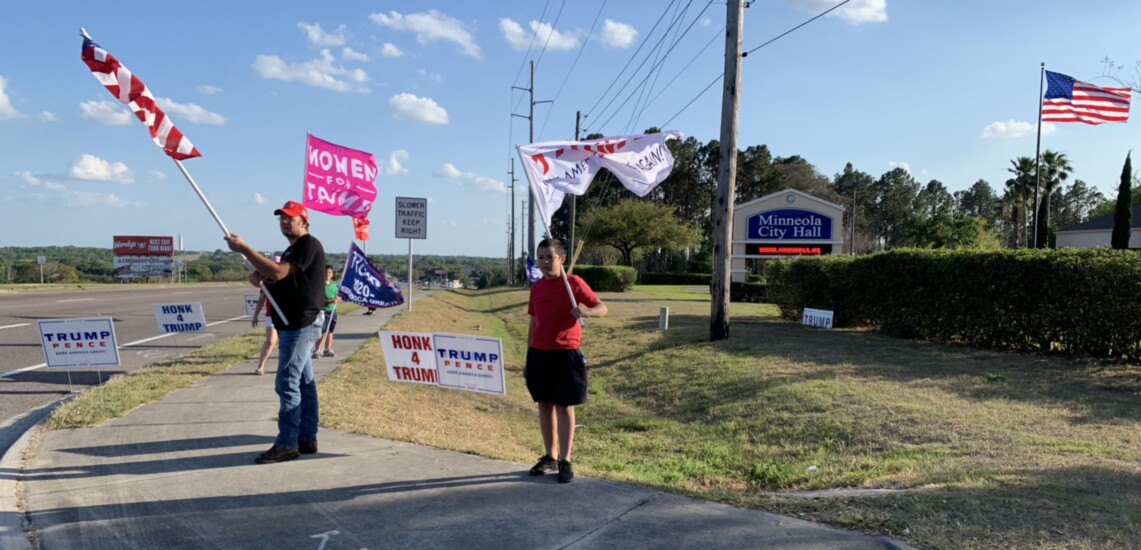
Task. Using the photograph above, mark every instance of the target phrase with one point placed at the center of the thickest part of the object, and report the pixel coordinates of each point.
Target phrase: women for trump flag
(338, 180)
(363, 284)
(556, 168)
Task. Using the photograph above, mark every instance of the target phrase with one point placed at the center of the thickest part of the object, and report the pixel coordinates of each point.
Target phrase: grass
(979, 449)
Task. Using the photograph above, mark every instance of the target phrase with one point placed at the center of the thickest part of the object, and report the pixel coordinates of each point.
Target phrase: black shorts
(330, 324)
(556, 376)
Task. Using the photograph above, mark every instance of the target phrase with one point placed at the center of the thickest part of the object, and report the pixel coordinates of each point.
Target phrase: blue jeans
(295, 385)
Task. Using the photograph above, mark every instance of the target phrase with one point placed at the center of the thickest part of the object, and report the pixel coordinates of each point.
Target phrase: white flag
(555, 168)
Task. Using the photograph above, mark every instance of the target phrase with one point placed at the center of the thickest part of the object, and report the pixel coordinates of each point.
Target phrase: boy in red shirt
(556, 371)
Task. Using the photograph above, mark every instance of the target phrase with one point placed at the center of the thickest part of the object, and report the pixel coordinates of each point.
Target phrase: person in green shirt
(324, 347)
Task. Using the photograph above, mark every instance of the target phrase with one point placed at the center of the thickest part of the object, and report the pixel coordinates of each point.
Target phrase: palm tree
(1056, 169)
(1018, 194)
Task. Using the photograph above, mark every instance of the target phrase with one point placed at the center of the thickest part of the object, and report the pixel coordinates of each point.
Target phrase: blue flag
(363, 284)
(533, 272)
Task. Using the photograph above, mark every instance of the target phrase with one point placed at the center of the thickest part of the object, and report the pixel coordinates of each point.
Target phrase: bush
(674, 278)
(753, 293)
(607, 278)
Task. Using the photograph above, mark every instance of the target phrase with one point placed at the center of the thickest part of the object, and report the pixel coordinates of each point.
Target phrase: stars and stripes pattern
(134, 94)
(1070, 100)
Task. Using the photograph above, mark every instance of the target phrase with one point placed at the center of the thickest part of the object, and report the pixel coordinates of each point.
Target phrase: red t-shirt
(550, 307)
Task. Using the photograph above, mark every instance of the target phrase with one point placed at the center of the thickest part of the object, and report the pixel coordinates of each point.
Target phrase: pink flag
(338, 180)
(556, 168)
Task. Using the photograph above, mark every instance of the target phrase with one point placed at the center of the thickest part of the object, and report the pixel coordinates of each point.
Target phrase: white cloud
(318, 37)
(48, 116)
(89, 199)
(34, 181)
(1012, 129)
(207, 89)
(322, 73)
(158, 176)
(349, 54)
(260, 200)
(431, 26)
(618, 35)
(434, 77)
(893, 165)
(395, 164)
(107, 112)
(544, 33)
(470, 179)
(705, 21)
(190, 112)
(855, 12)
(390, 50)
(406, 106)
(6, 108)
(93, 168)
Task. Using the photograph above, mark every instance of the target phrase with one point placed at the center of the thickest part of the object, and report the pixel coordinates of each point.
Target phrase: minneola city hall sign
(785, 223)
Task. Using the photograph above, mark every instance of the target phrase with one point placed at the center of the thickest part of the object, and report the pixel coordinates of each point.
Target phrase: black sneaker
(545, 464)
(277, 454)
(566, 472)
(307, 447)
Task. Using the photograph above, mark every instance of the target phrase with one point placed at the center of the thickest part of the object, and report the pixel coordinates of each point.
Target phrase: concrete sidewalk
(179, 473)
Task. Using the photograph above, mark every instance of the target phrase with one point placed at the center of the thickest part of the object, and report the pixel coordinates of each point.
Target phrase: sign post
(411, 223)
(41, 260)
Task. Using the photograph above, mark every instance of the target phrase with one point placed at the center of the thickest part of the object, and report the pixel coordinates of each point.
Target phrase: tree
(1123, 216)
(1018, 196)
(935, 198)
(893, 199)
(851, 182)
(1075, 204)
(634, 223)
(951, 230)
(1056, 170)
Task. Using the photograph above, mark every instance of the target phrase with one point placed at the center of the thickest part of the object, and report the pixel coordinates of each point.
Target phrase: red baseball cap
(292, 208)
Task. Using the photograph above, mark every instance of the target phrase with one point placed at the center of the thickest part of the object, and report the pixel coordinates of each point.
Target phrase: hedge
(607, 278)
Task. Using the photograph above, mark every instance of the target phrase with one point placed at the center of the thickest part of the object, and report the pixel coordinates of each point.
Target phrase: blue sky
(948, 90)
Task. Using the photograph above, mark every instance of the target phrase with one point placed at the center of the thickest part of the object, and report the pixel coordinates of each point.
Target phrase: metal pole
(727, 175)
(852, 247)
(511, 241)
(410, 283)
(570, 234)
(1038, 153)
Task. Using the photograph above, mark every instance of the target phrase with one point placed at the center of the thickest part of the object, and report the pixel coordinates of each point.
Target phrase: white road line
(14, 326)
(76, 300)
(127, 345)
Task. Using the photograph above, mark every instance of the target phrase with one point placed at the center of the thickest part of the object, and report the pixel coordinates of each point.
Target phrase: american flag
(132, 92)
(1070, 100)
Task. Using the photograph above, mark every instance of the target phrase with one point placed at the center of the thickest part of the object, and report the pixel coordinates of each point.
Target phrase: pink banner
(338, 180)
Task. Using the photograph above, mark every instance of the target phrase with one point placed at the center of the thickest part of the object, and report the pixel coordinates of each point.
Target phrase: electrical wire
(575, 63)
(782, 35)
(631, 60)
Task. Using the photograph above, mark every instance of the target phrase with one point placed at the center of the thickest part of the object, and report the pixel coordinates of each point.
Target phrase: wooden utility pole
(570, 237)
(726, 175)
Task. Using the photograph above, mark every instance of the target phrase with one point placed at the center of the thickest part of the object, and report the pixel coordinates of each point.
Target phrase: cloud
(86, 199)
(318, 37)
(431, 26)
(395, 163)
(260, 200)
(543, 34)
(158, 176)
(390, 50)
(6, 108)
(618, 35)
(189, 112)
(434, 77)
(93, 168)
(107, 112)
(855, 12)
(207, 89)
(321, 73)
(1012, 129)
(470, 179)
(349, 54)
(30, 179)
(48, 116)
(406, 106)
(893, 165)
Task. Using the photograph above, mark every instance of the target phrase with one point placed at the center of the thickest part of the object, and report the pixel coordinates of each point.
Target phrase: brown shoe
(307, 447)
(277, 454)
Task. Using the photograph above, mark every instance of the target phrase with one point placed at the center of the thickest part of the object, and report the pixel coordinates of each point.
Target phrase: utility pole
(570, 235)
(726, 175)
(530, 139)
(511, 239)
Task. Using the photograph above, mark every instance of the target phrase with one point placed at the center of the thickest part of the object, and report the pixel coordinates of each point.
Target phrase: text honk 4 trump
(456, 361)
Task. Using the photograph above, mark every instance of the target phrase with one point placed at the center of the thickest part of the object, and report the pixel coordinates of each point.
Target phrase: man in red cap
(297, 284)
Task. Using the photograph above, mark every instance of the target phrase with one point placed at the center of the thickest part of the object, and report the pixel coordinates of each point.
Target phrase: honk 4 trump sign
(338, 180)
(456, 361)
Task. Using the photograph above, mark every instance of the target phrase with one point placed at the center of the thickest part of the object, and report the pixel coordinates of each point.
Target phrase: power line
(782, 35)
(528, 54)
(631, 60)
(575, 63)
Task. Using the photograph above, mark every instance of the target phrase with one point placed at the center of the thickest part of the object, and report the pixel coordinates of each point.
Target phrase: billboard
(143, 246)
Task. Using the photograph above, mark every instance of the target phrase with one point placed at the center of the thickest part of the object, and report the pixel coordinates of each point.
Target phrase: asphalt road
(28, 388)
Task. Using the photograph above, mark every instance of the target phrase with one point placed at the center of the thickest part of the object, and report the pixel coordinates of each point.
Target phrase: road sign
(411, 218)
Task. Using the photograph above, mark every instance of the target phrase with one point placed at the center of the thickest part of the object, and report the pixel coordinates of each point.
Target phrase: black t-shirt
(301, 294)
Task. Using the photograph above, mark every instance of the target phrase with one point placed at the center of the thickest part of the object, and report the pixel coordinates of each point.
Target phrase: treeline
(75, 264)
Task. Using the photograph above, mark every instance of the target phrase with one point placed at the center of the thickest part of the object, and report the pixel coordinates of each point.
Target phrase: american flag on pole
(135, 95)
(1070, 100)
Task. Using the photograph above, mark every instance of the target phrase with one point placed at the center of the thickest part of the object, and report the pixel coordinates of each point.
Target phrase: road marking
(127, 345)
(184, 292)
(14, 326)
(76, 300)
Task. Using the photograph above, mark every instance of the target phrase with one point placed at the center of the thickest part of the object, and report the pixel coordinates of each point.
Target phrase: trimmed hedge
(607, 278)
(1070, 301)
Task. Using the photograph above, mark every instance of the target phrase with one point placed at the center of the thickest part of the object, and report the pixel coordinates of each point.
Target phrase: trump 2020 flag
(1071, 100)
(533, 272)
(128, 89)
(338, 180)
(556, 168)
(362, 284)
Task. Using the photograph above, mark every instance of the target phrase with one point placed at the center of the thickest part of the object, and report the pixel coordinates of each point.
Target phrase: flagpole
(1038, 151)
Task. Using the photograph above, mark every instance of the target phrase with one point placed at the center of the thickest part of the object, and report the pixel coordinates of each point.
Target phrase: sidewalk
(179, 473)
